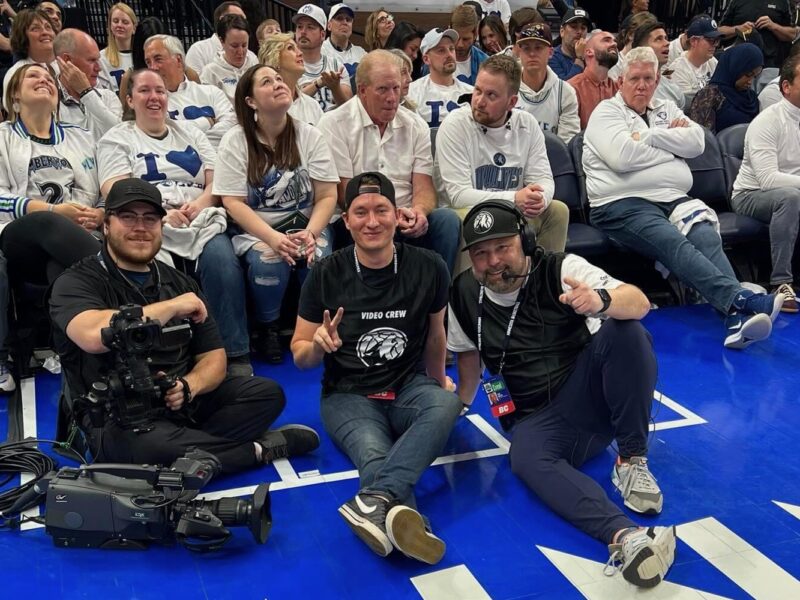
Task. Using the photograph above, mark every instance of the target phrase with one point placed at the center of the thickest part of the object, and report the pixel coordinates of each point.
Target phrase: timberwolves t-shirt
(385, 322)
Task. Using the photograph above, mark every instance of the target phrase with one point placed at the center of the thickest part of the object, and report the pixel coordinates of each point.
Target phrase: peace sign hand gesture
(326, 336)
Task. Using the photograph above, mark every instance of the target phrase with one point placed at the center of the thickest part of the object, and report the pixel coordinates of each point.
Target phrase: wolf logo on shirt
(282, 190)
(379, 346)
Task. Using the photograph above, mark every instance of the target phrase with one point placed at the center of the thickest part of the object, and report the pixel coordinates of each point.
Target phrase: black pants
(608, 396)
(228, 421)
(40, 245)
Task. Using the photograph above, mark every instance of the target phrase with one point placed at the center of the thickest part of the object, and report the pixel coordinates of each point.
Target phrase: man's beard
(607, 59)
(118, 249)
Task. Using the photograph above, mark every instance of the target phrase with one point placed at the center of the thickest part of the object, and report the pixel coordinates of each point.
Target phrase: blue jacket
(563, 65)
(476, 57)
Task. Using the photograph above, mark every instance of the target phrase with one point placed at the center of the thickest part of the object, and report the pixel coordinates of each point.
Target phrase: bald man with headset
(570, 369)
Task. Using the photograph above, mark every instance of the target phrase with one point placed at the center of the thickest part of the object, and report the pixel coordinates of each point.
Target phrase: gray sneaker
(365, 514)
(637, 485)
(644, 556)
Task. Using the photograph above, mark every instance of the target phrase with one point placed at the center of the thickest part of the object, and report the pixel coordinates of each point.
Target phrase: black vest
(545, 341)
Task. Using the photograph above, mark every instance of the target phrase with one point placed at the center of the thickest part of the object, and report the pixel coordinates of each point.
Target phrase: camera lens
(254, 513)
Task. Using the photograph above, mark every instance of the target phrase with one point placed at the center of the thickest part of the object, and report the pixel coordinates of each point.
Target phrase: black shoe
(407, 531)
(366, 516)
(268, 345)
(287, 441)
(239, 366)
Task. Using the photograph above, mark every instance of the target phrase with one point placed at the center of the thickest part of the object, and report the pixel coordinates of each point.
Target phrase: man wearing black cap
(693, 69)
(226, 416)
(373, 314)
(570, 369)
(567, 59)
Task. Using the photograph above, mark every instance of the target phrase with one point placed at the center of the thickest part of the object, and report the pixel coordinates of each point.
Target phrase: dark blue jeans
(391, 443)
(697, 259)
(607, 397)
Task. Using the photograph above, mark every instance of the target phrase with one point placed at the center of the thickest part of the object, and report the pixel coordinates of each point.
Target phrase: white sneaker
(53, 364)
(637, 485)
(644, 556)
(7, 383)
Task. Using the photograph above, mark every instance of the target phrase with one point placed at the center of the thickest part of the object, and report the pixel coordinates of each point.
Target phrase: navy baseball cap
(133, 189)
(370, 182)
(706, 28)
(490, 222)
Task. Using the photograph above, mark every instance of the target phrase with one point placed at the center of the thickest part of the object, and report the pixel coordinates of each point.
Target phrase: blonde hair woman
(406, 67)
(379, 25)
(116, 58)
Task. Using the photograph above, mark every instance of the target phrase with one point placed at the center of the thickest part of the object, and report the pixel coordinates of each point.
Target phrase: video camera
(129, 394)
(128, 506)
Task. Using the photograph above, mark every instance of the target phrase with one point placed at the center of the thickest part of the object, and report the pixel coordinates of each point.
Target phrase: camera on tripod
(128, 506)
(129, 394)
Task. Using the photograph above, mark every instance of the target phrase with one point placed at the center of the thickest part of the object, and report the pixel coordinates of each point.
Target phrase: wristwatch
(606, 298)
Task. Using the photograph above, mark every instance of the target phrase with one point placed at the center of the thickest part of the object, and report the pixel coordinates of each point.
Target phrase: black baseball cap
(490, 222)
(133, 189)
(576, 14)
(357, 186)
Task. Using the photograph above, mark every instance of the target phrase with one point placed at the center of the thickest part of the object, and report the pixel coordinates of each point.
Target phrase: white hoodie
(555, 106)
(653, 168)
(220, 73)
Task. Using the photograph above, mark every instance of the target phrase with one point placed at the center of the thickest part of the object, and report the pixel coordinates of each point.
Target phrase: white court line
(455, 583)
(790, 508)
(28, 395)
(285, 469)
(739, 561)
(689, 418)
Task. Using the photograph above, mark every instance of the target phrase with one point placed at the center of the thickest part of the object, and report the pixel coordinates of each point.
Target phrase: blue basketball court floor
(724, 450)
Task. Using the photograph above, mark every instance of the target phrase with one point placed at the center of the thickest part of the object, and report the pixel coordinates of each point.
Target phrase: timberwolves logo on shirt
(379, 346)
(282, 190)
(483, 222)
(499, 159)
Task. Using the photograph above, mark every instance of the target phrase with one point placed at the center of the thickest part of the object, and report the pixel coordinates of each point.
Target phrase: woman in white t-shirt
(179, 160)
(277, 180)
(280, 52)
(116, 58)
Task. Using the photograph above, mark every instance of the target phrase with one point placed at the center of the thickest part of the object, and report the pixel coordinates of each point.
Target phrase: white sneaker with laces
(638, 487)
(644, 556)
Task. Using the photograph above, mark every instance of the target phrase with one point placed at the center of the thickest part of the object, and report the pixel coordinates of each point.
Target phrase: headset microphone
(505, 276)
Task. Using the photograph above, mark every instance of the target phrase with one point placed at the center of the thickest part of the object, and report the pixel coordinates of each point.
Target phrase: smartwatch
(606, 298)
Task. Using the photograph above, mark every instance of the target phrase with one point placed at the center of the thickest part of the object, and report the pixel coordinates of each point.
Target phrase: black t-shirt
(385, 323)
(740, 11)
(545, 342)
(89, 285)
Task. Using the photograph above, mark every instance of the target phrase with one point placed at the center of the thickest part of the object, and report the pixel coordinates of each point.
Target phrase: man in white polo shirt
(205, 106)
(490, 152)
(768, 185)
(372, 132)
(551, 100)
(326, 78)
(694, 68)
(437, 93)
(338, 45)
(205, 51)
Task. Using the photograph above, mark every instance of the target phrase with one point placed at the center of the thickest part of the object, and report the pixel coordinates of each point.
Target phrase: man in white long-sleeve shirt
(637, 181)
(490, 152)
(768, 185)
(81, 101)
(204, 106)
(693, 69)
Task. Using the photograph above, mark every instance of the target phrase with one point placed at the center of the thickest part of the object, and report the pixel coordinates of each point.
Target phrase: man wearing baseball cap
(567, 59)
(373, 314)
(338, 44)
(551, 100)
(326, 78)
(569, 370)
(694, 68)
(224, 415)
(438, 92)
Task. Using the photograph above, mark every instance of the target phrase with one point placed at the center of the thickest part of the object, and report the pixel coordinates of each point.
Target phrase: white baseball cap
(434, 36)
(338, 8)
(312, 11)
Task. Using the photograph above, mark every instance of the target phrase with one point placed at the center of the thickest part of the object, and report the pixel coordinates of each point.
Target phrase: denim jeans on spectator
(392, 442)
(696, 259)
(780, 209)
(222, 279)
(268, 278)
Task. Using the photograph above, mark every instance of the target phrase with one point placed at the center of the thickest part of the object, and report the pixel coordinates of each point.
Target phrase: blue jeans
(392, 442)
(4, 303)
(696, 259)
(222, 280)
(268, 277)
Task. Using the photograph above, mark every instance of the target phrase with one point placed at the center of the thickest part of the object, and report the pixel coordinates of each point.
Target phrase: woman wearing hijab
(729, 98)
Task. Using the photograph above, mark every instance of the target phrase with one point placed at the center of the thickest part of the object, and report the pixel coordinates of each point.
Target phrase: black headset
(526, 233)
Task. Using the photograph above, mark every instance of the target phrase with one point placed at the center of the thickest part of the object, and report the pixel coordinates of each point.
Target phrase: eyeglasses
(150, 220)
(385, 19)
